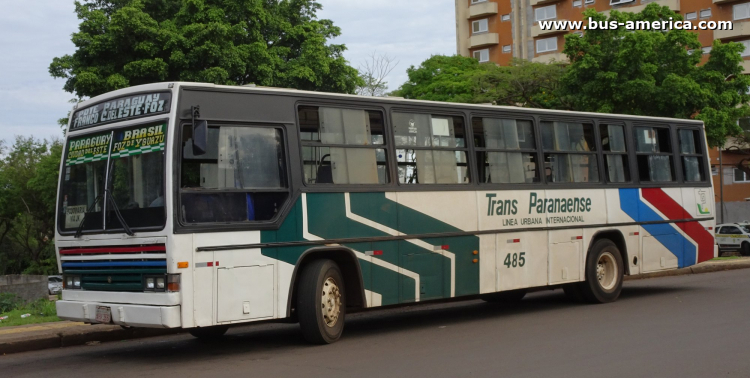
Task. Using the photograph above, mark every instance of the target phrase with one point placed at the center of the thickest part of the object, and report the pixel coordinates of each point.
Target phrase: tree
(121, 43)
(522, 83)
(654, 73)
(373, 74)
(28, 178)
(441, 78)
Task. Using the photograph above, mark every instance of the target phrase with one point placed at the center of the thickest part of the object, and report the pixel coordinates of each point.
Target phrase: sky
(33, 32)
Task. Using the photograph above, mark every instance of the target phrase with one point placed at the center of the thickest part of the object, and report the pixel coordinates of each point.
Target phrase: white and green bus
(201, 206)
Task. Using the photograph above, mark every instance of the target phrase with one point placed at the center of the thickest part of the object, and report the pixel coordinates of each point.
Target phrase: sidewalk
(62, 334)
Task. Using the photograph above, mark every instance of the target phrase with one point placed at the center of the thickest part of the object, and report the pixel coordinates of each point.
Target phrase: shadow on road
(260, 342)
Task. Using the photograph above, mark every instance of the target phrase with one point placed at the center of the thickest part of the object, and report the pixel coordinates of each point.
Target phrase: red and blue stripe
(688, 240)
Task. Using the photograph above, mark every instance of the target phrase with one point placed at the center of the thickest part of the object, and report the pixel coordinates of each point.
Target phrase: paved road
(687, 326)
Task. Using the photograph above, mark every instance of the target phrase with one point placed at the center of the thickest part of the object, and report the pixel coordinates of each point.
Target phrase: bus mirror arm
(200, 133)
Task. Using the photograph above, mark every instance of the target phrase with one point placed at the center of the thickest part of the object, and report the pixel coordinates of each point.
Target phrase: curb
(80, 336)
(695, 269)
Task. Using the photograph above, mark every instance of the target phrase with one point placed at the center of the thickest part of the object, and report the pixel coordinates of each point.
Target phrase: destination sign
(122, 108)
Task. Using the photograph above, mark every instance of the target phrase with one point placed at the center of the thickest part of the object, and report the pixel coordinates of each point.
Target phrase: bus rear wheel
(321, 302)
(604, 272)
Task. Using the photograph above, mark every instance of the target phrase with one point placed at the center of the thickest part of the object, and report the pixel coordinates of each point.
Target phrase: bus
(199, 206)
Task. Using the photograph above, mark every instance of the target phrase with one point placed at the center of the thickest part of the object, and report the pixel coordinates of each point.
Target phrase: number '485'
(514, 260)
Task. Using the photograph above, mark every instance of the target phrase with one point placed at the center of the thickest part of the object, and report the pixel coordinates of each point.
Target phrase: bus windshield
(129, 163)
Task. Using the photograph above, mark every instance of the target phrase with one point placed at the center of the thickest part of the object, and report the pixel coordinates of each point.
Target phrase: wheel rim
(330, 302)
(606, 271)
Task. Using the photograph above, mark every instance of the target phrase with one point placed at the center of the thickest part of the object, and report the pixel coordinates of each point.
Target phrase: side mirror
(200, 137)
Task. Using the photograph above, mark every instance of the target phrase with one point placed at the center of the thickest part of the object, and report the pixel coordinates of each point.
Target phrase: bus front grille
(114, 268)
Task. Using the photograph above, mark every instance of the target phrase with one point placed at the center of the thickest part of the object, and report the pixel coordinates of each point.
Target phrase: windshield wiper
(108, 194)
(117, 213)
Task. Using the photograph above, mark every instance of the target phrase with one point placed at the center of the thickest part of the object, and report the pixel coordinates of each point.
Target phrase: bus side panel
(698, 203)
(616, 214)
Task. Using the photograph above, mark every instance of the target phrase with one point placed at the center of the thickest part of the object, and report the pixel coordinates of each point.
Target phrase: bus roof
(389, 100)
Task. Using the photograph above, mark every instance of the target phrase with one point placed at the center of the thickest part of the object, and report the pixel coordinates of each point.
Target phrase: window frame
(691, 15)
(536, 44)
(596, 153)
(505, 17)
(387, 142)
(468, 149)
(480, 51)
(479, 22)
(677, 178)
(737, 6)
(182, 227)
(700, 154)
(536, 151)
(509, 49)
(629, 151)
(546, 7)
(700, 13)
(734, 180)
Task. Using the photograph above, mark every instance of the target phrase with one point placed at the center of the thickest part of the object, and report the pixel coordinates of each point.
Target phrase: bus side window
(654, 154)
(615, 152)
(506, 150)
(692, 157)
(430, 149)
(570, 152)
(343, 146)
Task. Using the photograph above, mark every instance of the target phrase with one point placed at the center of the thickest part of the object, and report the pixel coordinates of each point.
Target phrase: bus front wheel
(209, 333)
(604, 272)
(321, 302)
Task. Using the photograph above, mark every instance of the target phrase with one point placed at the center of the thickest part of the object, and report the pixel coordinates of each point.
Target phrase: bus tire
(321, 302)
(604, 272)
(745, 249)
(209, 333)
(505, 297)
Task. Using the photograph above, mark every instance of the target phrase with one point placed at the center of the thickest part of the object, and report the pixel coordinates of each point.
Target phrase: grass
(41, 311)
(726, 258)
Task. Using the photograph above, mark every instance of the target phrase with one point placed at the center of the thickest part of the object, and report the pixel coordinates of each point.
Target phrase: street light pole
(721, 186)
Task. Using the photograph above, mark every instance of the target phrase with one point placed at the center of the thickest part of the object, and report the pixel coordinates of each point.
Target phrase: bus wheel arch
(350, 270)
(616, 237)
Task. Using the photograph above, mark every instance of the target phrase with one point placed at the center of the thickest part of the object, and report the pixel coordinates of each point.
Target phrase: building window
(547, 44)
(741, 11)
(482, 55)
(588, 1)
(505, 17)
(578, 33)
(618, 2)
(577, 3)
(546, 13)
(506, 48)
(745, 43)
(691, 16)
(479, 26)
(740, 176)
(714, 170)
(705, 13)
(706, 50)
(478, 1)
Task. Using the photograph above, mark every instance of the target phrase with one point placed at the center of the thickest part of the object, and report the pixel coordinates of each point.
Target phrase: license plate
(103, 314)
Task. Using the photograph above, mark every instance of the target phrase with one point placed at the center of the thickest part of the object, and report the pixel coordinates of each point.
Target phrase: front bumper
(131, 315)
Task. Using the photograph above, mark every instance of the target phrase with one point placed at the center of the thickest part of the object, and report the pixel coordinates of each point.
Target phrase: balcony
(673, 5)
(485, 39)
(741, 29)
(482, 9)
(543, 2)
(547, 58)
(537, 31)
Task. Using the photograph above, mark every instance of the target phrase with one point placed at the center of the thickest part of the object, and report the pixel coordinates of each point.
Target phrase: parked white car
(54, 284)
(733, 237)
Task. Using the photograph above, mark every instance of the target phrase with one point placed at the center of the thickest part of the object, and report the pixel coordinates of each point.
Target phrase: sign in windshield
(88, 149)
(122, 108)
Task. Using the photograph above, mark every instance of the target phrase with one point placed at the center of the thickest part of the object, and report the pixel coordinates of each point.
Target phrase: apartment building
(498, 30)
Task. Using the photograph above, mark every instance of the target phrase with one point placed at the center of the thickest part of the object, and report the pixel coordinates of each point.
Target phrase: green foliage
(40, 311)
(441, 78)
(29, 172)
(121, 43)
(8, 302)
(522, 83)
(652, 73)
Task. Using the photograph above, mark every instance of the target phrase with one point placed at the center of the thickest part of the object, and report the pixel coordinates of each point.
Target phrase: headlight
(72, 282)
(161, 283)
(150, 283)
